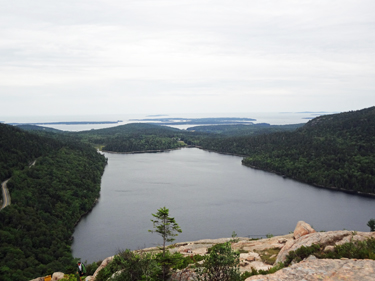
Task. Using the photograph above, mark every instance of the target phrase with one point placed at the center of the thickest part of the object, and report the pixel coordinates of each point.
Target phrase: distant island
(68, 123)
(197, 121)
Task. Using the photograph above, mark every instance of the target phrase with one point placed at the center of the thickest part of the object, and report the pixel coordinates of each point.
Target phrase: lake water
(210, 195)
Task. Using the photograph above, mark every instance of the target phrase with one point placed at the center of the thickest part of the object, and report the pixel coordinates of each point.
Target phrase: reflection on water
(210, 195)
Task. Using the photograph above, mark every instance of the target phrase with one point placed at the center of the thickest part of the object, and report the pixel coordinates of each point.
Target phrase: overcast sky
(200, 56)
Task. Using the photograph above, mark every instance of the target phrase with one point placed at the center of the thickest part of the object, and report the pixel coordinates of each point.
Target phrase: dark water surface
(210, 195)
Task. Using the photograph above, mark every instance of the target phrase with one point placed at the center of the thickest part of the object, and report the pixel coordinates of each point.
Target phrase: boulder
(57, 276)
(329, 248)
(261, 244)
(258, 265)
(302, 229)
(282, 241)
(323, 269)
(102, 265)
(250, 259)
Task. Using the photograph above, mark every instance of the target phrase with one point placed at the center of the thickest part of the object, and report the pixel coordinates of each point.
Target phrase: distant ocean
(273, 118)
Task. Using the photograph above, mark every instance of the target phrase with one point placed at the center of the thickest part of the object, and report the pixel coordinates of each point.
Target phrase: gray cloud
(168, 56)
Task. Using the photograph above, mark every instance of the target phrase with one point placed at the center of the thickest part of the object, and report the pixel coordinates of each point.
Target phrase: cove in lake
(210, 195)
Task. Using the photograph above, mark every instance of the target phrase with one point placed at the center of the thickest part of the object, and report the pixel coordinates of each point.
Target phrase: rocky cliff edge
(262, 253)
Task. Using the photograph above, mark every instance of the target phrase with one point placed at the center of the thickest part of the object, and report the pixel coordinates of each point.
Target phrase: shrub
(222, 264)
(301, 253)
(234, 239)
(354, 250)
(92, 267)
(135, 266)
(253, 272)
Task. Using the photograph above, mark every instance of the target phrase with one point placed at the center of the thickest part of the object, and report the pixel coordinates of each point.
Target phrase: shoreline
(359, 193)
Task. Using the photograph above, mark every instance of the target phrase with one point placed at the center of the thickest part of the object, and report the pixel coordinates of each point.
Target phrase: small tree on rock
(167, 228)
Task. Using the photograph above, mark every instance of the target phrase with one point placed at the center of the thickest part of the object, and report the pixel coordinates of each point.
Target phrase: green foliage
(131, 266)
(371, 225)
(222, 264)
(70, 277)
(170, 261)
(190, 260)
(234, 238)
(269, 235)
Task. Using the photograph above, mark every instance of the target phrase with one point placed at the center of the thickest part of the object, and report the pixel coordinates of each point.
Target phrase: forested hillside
(133, 137)
(19, 148)
(48, 199)
(332, 151)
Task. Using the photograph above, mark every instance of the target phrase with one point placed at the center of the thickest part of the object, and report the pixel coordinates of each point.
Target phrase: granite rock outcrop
(323, 269)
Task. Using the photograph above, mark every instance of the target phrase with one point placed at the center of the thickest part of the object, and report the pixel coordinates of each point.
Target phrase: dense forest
(244, 130)
(48, 199)
(133, 137)
(336, 151)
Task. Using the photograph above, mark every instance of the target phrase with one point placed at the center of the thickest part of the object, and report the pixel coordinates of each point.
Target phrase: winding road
(6, 195)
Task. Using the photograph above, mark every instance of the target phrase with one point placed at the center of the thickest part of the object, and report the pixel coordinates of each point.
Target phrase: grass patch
(269, 256)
